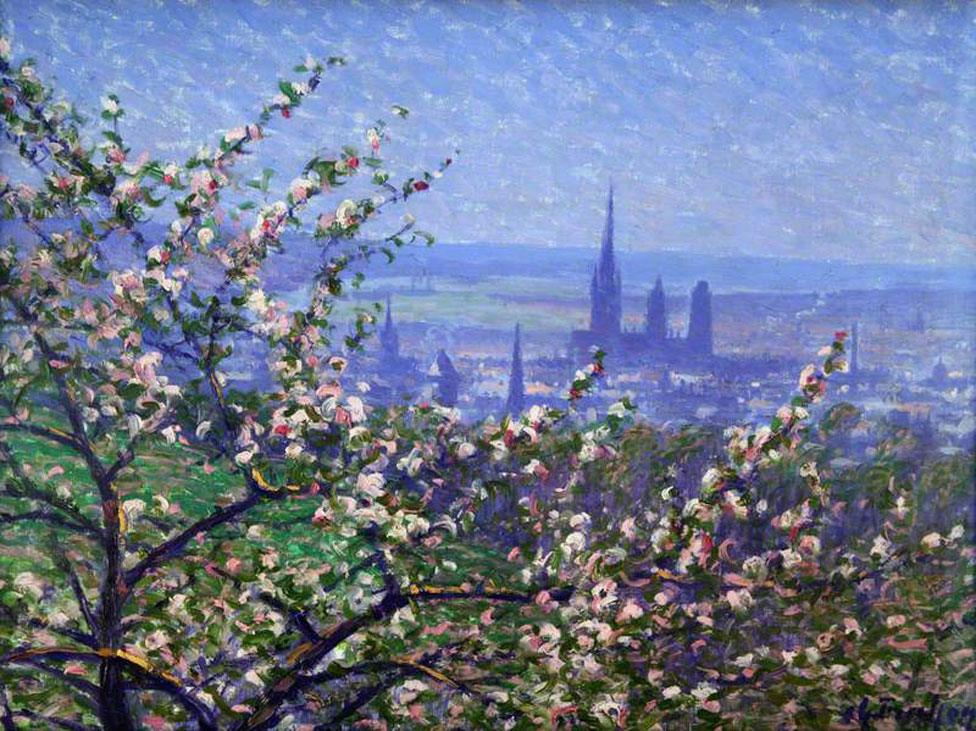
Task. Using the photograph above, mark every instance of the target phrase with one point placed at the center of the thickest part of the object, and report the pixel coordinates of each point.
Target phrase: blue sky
(813, 130)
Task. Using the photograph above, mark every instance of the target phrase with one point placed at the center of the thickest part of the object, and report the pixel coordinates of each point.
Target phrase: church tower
(389, 340)
(657, 314)
(605, 308)
(700, 320)
(446, 379)
(516, 380)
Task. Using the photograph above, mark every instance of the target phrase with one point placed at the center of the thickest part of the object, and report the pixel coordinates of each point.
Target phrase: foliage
(183, 550)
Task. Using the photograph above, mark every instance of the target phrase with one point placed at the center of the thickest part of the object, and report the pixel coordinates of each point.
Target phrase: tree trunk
(113, 707)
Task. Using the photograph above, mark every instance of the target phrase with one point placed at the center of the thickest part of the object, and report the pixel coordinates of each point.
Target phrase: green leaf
(288, 91)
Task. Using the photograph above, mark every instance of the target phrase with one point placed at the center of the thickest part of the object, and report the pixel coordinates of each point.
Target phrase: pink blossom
(155, 723)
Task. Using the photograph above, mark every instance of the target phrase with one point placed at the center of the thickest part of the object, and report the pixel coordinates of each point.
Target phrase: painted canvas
(487, 365)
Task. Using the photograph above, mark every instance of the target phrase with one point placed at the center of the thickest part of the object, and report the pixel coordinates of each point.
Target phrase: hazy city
(911, 332)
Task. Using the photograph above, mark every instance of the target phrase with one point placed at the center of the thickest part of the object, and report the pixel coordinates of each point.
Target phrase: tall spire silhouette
(605, 307)
(516, 379)
(389, 340)
(607, 259)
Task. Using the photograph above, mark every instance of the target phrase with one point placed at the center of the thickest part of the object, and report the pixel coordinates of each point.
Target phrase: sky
(832, 130)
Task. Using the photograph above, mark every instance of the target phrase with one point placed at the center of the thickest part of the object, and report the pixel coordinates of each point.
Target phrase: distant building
(389, 339)
(656, 342)
(516, 380)
(940, 375)
(396, 377)
(700, 323)
(657, 314)
(446, 379)
(918, 324)
(605, 303)
(857, 374)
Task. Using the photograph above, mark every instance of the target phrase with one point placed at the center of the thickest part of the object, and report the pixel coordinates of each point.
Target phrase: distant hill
(477, 261)
(680, 269)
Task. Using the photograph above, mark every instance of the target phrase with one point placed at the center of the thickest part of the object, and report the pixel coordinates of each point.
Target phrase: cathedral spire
(605, 307)
(607, 259)
(389, 340)
(516, 379)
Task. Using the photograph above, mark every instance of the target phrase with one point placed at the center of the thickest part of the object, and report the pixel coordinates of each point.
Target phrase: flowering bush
(182, 550)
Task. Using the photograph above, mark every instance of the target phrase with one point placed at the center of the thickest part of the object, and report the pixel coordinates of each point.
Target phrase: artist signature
(937, 715)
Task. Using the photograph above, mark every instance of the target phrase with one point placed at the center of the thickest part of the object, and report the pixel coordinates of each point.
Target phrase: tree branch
(8, 717)
(84, 447)
(83, 638)
(27, 488)
(79, 592)
(89, 689)
(394, 670)
(123, 460)
(173, 546)
(56, 722)
(145, 675)
(200, 711)
(49, 433)
(362, 698)
(298, 617)
(43, 516)
(451, 593)
(306, 656)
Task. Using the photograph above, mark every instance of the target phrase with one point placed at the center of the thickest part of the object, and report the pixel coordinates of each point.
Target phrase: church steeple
(389, 340)
(605, 308)
(516, 379)
(607, 260)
